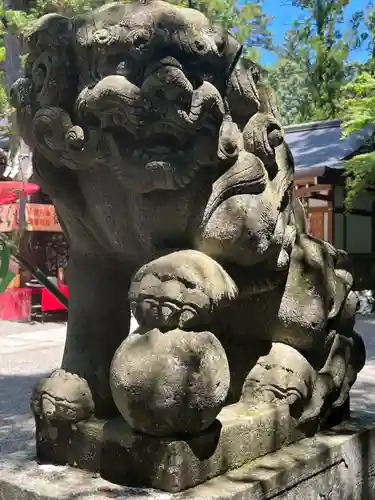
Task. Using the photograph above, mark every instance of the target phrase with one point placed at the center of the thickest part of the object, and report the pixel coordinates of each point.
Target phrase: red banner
(38, 217)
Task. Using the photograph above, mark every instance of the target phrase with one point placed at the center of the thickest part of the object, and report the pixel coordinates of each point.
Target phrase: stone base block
(338, 464)
(124, 457)
(171, 464)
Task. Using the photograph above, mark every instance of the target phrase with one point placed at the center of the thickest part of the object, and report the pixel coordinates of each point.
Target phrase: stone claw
(333, 383)
(163, 314)
(62, 396)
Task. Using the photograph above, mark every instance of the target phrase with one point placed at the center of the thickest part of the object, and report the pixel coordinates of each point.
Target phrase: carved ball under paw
(62, 396)
(172, 382)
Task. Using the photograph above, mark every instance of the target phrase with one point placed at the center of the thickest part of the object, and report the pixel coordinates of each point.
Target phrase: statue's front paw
(331, 390)
(282, 376)
(179, 290)
(62, 396)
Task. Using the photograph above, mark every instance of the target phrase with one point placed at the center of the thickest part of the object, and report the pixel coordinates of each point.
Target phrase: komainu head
(149, 84)
(157, 95)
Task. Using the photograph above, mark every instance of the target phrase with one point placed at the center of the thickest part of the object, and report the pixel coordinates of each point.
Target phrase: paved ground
(363, 391)
(28, 352)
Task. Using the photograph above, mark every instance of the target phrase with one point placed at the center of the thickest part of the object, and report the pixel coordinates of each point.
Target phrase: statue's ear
(51, 31)
(50, 66)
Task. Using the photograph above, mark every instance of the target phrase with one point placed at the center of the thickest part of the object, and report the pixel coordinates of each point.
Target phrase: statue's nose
(166, 82)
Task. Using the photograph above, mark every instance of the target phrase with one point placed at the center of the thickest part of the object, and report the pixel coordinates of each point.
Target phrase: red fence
(15, 304)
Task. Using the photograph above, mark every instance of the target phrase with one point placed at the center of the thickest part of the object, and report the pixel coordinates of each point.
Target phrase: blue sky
(283, 14)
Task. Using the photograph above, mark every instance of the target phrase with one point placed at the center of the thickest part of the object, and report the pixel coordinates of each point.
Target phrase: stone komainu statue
(165, 158)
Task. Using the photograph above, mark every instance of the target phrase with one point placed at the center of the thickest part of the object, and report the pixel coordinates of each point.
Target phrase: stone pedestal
(337, 464)
(172, 464)
(112, 449)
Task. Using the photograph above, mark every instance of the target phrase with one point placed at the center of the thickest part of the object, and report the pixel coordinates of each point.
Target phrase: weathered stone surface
(165, 383)
(338, 464)
(123, 456)
(164, 154)
(76, 404)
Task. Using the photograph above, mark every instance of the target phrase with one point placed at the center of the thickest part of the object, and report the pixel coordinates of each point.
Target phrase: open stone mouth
(147, 128)
(145, 148)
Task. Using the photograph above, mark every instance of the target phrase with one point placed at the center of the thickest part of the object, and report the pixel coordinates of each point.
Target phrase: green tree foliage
(358, 105)
(4, 105)
(358, 108)
(363, 31)
(311, 69)
(246, 20)
(289, 77)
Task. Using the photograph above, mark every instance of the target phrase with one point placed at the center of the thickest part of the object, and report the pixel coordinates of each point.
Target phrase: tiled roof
(318, 145)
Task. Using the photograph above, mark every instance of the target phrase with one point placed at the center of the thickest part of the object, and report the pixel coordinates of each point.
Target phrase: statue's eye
(139, 39)
(140, 42)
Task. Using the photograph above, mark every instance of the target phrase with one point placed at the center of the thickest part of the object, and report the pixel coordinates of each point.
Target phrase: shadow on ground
(16, 422)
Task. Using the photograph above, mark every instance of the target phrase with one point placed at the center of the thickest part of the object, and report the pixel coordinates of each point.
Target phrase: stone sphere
(165, 383)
